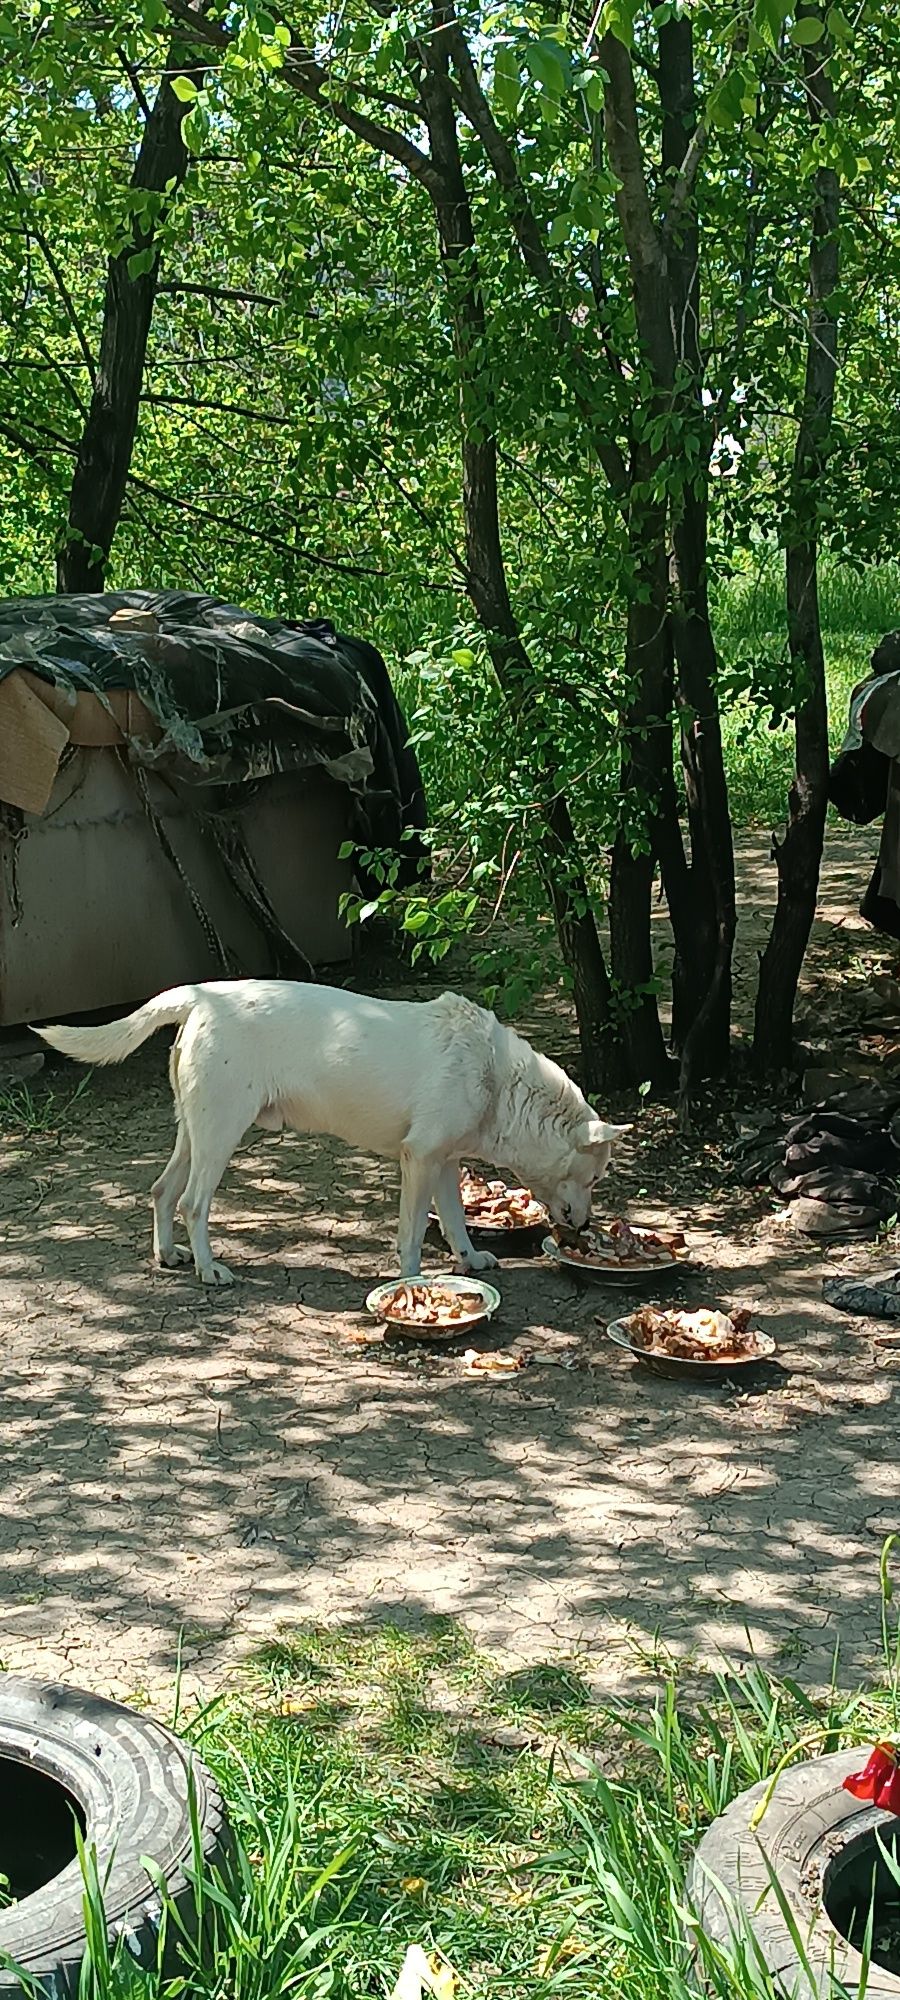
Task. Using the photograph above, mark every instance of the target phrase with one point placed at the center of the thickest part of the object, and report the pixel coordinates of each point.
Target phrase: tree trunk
(560, 860)
(798, 855)
(646, 781)
(702, 1013)
(703, 1035)
(646, 757)
(105, 450)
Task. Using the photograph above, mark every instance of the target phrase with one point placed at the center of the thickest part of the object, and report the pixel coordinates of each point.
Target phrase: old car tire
(132, 1781)
(809, 1829)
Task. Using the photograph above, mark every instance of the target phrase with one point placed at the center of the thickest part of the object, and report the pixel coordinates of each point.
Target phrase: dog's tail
(118, 1039)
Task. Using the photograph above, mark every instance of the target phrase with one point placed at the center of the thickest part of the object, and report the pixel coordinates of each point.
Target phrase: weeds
(39, 1112)
(378, 1803)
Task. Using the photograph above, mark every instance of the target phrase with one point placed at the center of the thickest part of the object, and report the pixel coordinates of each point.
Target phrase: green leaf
(884, 1574)
(544, 62)
(838, 26)
(184, 88)
(195, 127)
(463, 656)
(807, 31)
(618, 20)
(733, 99)
(507, 80)
(592, 92)
(143, 260)
(768, 20)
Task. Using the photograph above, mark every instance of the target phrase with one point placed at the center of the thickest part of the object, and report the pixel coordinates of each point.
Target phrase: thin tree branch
(50, 260)
(684, 181)
(532, 245)
(624, 148)
(595, 266)
(50, 366)
(31, 450)
(225, 409)
(178, 285)
(410, 105)
(243, 529)
(503, 161)
(312, 79)
(131, 72)
(55, 437)
(423, 514)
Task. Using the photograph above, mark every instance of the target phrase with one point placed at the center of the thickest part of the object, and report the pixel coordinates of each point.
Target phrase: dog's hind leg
(195, 1206)
(453, 1222)
(418, 1177)
(167, 1192)
(214, 1131)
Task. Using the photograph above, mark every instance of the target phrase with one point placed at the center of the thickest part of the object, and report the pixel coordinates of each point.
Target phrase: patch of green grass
(750, 607)
(857, 608)
(759, 759)
(456, 713)
(29, 1110)
(393, 1787)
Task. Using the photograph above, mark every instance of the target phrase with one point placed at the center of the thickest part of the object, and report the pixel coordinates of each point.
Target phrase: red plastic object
(879, 1780)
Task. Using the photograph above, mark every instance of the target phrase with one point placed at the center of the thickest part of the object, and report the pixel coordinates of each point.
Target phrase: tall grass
(458, 734)
(857, 607)
(750, 607)
(390, 1788)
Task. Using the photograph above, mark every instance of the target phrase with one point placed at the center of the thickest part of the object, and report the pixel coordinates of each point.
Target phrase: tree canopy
(503, 337)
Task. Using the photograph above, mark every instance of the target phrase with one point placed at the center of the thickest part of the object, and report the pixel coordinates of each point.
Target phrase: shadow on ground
(232, 1463)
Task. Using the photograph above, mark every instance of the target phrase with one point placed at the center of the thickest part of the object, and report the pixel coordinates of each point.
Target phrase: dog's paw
(175, 1259)
(216, 1274)
(477, 1260)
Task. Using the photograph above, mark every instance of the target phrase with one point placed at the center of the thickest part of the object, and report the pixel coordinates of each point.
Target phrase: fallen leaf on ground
(476, 1363)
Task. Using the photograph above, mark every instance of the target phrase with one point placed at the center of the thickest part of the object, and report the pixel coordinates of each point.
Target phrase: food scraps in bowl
(619, 1245)
(432, 1305)
(697, 1336)
(493, 1205)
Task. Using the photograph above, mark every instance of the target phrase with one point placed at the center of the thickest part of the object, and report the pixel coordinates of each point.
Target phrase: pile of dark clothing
(837, 1166)
(838, 1169)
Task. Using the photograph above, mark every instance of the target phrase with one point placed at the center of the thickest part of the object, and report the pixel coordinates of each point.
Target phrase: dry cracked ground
(227, 1465)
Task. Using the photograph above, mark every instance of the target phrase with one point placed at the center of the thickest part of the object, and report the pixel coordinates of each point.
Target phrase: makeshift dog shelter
(178, 778)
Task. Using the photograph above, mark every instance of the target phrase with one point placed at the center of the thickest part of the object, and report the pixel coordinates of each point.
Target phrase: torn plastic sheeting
(235, 698)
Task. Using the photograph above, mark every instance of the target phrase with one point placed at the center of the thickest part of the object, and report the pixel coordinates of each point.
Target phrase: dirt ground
(232, 1463)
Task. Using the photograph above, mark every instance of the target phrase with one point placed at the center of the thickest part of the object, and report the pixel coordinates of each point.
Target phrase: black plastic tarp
(237, 696)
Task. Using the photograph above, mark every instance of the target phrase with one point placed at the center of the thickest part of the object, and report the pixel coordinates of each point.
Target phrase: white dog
(422, 1083)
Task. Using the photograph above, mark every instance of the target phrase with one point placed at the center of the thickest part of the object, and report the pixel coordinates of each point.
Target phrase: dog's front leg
(417, 1181)
(453, 1223)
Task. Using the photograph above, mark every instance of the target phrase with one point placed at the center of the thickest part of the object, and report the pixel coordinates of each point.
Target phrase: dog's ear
(601, 1134)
